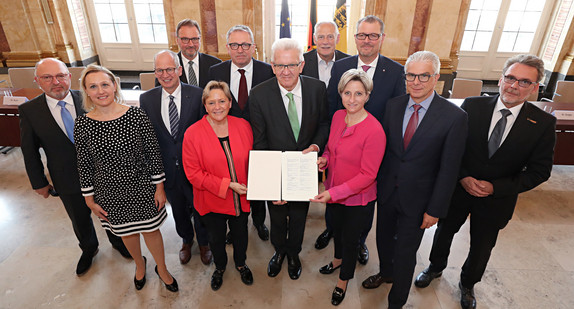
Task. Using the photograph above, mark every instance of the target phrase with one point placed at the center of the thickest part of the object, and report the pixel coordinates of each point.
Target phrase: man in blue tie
(47, 122)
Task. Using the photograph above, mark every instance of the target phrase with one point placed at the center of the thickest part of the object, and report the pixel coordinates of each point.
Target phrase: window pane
(107, 32)
(482, 41)
(518, 5)
(142, 13)
(535, 5)
(123, 33)
(487, 20)
(160, 33)
(476, 4)
(492, 5)
(530, 21)
(467, 40)
(472, 20)
(119, 13)
(157, 13)
(146, 33)
(507, 41)
(523, 42)
(513, 21)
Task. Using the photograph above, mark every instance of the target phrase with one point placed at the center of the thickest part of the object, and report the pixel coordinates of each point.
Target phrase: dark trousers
(258, 212)
(80, 215)
(483, 235)
(398, 239)
(347, 227)
(180, 198)
(366, 224)
(216, 225)
(288, 226)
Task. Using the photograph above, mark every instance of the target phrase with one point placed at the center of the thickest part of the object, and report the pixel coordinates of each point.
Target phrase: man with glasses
(195, 65)
(172, 108)
(47, 122)
(388, 83)
(288, 113)
(242, 73)
(510, 149)
(426, 136)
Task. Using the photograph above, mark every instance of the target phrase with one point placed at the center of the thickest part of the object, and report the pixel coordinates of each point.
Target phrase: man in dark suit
(500, 162)
(242, 73)
(172, 108)
(42, 126)
(318, 64)
(288, 113)
(388, 82)
(195, 65)
(426, 135)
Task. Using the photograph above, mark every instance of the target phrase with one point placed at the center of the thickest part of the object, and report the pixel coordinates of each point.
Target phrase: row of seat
(461, 87)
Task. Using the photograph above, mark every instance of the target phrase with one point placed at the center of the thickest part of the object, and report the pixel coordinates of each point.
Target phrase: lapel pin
(533, 121)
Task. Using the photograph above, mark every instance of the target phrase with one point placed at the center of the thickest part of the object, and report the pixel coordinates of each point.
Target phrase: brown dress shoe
(185, 253)
(205, 253)
(375, 281)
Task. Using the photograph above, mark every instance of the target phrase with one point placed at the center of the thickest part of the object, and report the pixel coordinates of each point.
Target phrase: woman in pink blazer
(215, 158)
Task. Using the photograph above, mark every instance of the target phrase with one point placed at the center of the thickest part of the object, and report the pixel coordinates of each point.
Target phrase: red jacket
(205, 165)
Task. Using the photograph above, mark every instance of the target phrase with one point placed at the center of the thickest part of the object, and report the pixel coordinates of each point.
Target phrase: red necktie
(366, 67)
(411, 126)
(242, 97)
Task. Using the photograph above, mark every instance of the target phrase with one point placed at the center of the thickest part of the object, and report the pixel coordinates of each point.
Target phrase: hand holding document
(282, 176)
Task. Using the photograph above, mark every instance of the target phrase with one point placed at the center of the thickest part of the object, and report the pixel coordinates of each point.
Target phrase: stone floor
(531, 267)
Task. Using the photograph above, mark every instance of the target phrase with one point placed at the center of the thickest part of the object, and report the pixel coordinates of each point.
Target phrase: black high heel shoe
(338, 295)
(170, 287)
(140, 283)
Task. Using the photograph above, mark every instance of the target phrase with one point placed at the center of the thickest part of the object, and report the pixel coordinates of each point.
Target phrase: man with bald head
(47, 122)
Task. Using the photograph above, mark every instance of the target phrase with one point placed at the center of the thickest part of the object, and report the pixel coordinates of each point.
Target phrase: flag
(285, 25)
(341, 21)
(312, 22)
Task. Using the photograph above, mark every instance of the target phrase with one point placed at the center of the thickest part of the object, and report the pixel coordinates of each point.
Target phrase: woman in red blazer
(215, 158)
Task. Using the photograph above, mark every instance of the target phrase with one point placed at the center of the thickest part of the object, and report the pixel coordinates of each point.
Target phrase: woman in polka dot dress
(121, 171)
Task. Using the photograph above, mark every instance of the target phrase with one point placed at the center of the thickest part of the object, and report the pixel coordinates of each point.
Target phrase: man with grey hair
(172, 108)
(242, 73)
(288, 113)
(47, 122)
(509, 150)
(426, 135)
(387, 76)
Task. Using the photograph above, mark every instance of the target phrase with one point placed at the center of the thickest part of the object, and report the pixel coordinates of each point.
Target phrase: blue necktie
(67, 119)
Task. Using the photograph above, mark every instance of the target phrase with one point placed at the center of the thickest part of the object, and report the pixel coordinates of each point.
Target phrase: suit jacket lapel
(279, 107)
(78, 103)
(183, 76)
(306, 112)
(313, 64)
(396, 128)
(430, 118)
(156, 106)
(484, 124)
(519, 128)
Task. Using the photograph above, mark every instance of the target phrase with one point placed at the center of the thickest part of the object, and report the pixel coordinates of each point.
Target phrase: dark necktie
(192, 79)
(366, 68)
(242, 96)
(67, 119)
(497, 132)
(173, 117)
(411, 126)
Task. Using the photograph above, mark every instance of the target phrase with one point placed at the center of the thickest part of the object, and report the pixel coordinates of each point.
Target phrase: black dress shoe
(123, 251)
(467, 300)
(363, 256)
(228, 239)
(328, 269)
(170, 287)
(246, 275)
(375, 281)
(323, 239)
(263, 232)
(85, 262)
(275, 264)
(140, 283)
(217, 279)
(338, 296)
(425, 277)
(294, 267)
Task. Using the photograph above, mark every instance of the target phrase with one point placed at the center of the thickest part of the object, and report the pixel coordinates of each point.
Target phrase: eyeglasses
(168, 71)
(524, 83)
(50, 78)
(372, 36)
(291, 66)
(186, 40)
(328, 37)
(423, 78)
(235, 46)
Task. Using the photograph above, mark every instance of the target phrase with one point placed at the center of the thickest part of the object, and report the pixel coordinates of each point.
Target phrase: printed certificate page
(264, 178)
(299, 176)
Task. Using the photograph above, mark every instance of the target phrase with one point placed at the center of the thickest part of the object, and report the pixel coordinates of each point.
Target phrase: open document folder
(282, 176)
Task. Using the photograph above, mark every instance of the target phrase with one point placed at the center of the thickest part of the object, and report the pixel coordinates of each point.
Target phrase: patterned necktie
(173, 117)
(411, 126)
(292, 114)
(242, 96)
(67, 119)
(366, 68)
(497, 132)
(191, 76)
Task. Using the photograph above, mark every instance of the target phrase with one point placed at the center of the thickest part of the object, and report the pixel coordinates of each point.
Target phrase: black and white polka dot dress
(120, 163)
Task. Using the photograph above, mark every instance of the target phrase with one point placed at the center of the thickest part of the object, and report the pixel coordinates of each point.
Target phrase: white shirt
(195, 63)
(165, 105)
(510, 119)
(325, 69)
(371, 71)
(236, 76)
(57, 110)
(297, 97)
